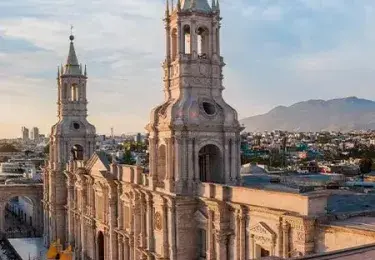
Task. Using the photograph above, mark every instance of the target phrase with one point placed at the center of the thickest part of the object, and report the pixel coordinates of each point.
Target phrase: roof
(199, 5)
(361, 222)
(350, 202)
(72, 66)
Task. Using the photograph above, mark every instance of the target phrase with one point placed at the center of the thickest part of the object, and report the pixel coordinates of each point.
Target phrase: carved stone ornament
(158, 221)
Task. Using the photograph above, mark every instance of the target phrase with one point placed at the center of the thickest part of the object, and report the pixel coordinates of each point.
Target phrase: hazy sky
(277, 52)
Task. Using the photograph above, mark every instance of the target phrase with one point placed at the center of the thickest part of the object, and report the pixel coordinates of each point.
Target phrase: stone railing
(130, 174)
(303, 204)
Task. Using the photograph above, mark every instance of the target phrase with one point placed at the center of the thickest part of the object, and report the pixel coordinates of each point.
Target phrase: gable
(262, 229)
(98, 162)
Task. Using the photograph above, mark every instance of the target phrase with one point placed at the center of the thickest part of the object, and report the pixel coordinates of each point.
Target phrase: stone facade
(190, 204)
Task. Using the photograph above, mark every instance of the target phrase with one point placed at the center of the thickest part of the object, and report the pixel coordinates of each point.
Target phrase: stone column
(242, 234)
(172, 230)
(127, 250)
(252, 247)
(221, 246)
(150, 228)
(233, 158)
(143, 231)
(193, 40)
(112, 203)
(70, 214)
(165, 253)
(286, 249)
(210, 237)
(132, 250)
(190, 171)
(213, 34)
(120, 247)
(136, 225)
(177, 162)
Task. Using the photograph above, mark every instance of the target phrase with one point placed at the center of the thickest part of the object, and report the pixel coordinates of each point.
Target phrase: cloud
(277, 52)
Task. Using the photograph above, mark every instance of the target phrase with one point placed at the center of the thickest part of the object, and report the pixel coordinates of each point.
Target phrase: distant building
(34, 134)
(138, 138)
(25, 133)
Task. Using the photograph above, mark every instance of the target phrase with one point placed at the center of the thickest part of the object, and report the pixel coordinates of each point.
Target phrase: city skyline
(312, 49)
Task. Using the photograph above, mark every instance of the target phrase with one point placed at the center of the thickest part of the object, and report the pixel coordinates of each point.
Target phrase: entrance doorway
(100, 246)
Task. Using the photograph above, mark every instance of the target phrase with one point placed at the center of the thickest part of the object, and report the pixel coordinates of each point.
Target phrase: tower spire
(213, 5)
(72, 65)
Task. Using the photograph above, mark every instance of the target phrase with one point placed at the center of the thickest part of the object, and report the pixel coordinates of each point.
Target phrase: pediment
(98, 165)
(262, 229)
(200, 217)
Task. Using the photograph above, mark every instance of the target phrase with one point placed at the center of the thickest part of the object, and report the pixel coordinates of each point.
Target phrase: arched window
(174, 44)
(77, 152)
(161, 163)
(210, 164)
(74, 92)
(187, 40)
(202, 37)
(64, 91)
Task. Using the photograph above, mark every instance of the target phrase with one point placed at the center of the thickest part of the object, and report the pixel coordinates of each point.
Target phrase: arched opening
(210, 164)
(77, 152)
(174, 44)
(100, 246)
(187, 40)
(202, 37)
(21, 218)
(162, 161)
(74, 92)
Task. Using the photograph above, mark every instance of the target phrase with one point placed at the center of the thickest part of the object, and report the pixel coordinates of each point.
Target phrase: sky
(277, 52)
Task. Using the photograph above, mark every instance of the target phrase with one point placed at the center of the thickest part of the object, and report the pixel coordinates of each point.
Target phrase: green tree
(128, 158)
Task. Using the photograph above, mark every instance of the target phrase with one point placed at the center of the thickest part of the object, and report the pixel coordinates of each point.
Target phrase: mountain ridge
(339, 114)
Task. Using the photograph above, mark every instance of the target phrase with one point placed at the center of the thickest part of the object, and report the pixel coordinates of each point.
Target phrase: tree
(128, 158)
(365, 165)
(8, 148)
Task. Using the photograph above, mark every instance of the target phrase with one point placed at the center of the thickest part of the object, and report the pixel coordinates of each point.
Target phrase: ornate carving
(158, 221)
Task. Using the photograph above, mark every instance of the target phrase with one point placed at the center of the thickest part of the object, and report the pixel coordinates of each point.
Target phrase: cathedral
(192, 203)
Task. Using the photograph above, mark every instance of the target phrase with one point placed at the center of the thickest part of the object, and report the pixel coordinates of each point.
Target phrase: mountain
(343, 114)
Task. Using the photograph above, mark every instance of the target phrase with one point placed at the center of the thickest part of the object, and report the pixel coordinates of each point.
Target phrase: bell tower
(72, 138)
(194, 134)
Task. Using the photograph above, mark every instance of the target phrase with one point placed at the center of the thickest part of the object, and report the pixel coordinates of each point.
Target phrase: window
(202, 243)
(186, 42)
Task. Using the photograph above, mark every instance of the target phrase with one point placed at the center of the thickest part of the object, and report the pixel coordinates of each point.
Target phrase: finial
(217, 5)
(178, 5)
(71, 37)
(58, 72)
(213, 5)
(85, 73)
(62, 69)
(80, 68)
